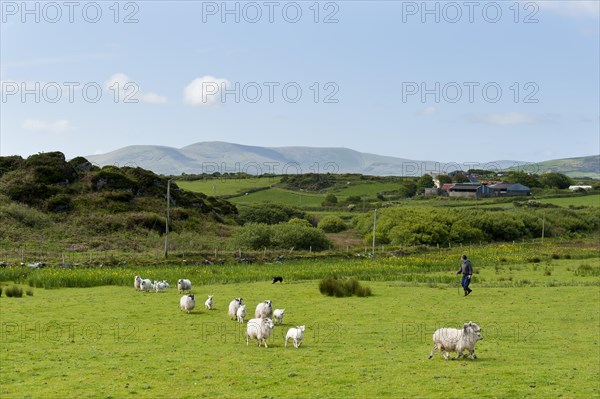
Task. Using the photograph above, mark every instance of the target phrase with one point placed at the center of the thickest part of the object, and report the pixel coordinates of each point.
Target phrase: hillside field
(540, 339)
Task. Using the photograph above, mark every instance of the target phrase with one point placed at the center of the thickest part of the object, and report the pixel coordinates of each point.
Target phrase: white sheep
(296, 334)
(209, 302)
(264, 310)
(146, 285)
(259, 329)
(241, 314)
(137, 283)
(160, 286)
(184, 285)
(455, 340)
(278, 315)
(187, 302)
(233, 307)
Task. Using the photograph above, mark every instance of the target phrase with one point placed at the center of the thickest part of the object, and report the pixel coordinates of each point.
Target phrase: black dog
(278, 278)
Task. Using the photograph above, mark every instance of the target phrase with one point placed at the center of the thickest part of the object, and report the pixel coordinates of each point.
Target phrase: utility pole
(374, 229)
(543, 226)
(167, 219)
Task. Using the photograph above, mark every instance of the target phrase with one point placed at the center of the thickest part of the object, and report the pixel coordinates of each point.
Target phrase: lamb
(233, 307)
(455, 340)
(296, 334)
(187, 302)
(146, 285)
(137, 283)
(160, 285)
(241, 314)
(259, 329)
(278, 315)
(184, 285)
(209, 302)
(264, 310)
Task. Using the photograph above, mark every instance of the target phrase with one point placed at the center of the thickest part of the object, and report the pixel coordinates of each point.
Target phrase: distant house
(580, 187)
(509, 189)
(470, 190)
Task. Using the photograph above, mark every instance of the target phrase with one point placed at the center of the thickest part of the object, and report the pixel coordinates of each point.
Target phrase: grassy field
(220, 187)
(280, 196)
(585, 200)
(539, 324)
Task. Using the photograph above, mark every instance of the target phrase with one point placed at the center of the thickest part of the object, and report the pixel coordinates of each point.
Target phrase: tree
(408, 189)
(444, 179)
(330, 200)
(425, 181)
(556, 180)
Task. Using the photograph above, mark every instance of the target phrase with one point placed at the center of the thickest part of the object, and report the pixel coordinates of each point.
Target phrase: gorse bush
(332, 224)
(332, 286)
(296, 233)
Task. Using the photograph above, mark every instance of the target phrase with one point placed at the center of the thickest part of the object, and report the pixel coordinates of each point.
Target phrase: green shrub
(0, 291)
(332, 286)
(29, 292)
(268, 213)
(14, 291)
(332, 224)
(253, 236)
(299, 236)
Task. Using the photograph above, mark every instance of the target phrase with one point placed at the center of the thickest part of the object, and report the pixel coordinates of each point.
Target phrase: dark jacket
(466, 268)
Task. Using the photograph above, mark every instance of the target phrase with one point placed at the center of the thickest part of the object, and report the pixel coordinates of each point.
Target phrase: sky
(464, 81)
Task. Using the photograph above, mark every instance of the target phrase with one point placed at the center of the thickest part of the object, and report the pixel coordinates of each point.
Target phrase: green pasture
(583, 200)
(111, 341)
(280, 196)
(220, 187)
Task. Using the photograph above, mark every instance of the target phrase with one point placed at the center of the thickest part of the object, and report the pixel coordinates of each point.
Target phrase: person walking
(466, 268)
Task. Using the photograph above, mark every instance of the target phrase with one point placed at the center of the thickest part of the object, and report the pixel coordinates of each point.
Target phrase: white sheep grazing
(137, 283)
(233, 307)
(146, 285)
(184, 285)
(296, 334)
(209, 302)
(259, 329)
(241, 314)
(166, 284)
(187, 302)
(455, 340)
(278, 315)
(264, 310)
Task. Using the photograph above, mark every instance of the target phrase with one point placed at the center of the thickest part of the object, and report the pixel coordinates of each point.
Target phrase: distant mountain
(572, 167)
(216, 156)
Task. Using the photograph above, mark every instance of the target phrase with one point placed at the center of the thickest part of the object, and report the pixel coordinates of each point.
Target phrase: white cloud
(205, 91)
(504, 119)
(427, 111)
(129, 91)
(572, 8)
(58, 126)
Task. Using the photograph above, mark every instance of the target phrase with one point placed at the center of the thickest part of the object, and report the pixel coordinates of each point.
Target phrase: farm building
(509, 189)
(470, 190)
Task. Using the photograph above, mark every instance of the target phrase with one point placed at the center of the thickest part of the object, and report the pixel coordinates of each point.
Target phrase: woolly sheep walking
(146, 285)
(241, 314)
(455, 340)
(259, 329)
(137, 283)
(187, 303)
(264, 310)
(233, 307)
(278, 315)
(209, 302)
(184, 285)
(296, 334)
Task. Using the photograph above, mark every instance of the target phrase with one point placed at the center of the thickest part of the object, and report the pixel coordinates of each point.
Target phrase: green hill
(74, 204)
(572, 167)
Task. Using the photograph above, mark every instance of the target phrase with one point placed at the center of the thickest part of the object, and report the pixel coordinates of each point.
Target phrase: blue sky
(379, 77)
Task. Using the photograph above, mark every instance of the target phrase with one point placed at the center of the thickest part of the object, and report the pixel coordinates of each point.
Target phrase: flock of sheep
(259, 328)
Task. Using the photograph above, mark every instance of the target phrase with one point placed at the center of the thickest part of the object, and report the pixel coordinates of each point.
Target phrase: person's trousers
(466, 280)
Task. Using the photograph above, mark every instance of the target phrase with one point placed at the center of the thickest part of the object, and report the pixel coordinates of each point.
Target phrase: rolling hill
(209, 157)
(572, 167)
